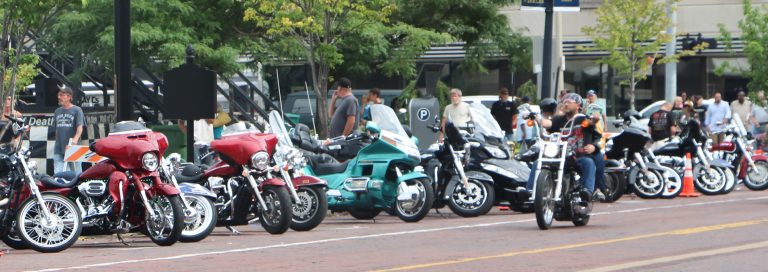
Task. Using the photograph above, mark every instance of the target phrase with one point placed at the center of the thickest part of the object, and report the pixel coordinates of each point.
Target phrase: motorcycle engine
(93, 187)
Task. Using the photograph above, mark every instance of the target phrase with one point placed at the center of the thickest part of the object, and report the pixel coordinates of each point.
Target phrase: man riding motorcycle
(586, 142)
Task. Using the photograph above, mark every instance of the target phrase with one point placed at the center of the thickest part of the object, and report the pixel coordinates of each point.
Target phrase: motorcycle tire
(421, 208)
(171, 208)
(581, 220)
(311, 212)
(66, 214)
(276, 219)
(12, 240)
(482, 204)
(730, 181)
(203, 223)
(544, 201)
(616, 186)
(641, 190)
(702, 183)
(757, 181)
(673, 185)
(364, 214)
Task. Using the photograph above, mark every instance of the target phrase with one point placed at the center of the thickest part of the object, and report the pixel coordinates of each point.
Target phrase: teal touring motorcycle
(380, 177)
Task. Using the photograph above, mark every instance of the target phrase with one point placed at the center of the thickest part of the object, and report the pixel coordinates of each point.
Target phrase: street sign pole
(546, 70)
(124, 103)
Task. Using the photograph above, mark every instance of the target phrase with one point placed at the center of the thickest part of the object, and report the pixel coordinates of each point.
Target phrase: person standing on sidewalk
(343, 109)
(742, 107)
(718, 114)
(505, 112)
(69, 121)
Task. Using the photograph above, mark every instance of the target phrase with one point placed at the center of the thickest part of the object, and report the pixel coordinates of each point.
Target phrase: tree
(754, 35)
(632, 32)
(18, 63)
(320, 29)
(160, 33)
(478, 23)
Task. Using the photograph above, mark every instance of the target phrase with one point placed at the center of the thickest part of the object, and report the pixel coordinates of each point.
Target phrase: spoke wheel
(53, 235)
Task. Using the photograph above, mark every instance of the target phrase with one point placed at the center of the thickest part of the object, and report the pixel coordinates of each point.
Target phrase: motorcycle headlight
(149, 161)
(496, 152)
(260, 161)
(551, 151)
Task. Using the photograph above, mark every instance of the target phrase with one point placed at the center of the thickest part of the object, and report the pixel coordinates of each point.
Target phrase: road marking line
(670, 259)
(363, 237)
(687, 231)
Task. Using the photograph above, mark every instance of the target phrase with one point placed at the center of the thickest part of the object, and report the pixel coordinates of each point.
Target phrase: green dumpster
(293, 117)
(177, 141)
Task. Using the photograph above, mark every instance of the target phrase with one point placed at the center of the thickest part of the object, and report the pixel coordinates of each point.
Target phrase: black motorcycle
(467, 193)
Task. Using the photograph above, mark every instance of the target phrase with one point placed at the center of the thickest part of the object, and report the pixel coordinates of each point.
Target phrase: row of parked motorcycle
(286, 179)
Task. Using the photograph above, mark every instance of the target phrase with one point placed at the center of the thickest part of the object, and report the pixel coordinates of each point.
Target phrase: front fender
(483, 177)
(160, 188)
(196, 189)
(760, 157)
(412, 176)
(479, 176)
(308, 181)
(721, 163)
(278, 182)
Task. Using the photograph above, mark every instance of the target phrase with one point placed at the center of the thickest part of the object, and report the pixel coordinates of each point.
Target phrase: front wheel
(55, 234)
(12, 239)
(730, 181)
(646, 184)
(473, 201)
(709, 181)
(202, 223)
(276, 217)
(544, 200)
(312, 209)
(673, 186)
(616, 186)
(166, 226)
(420, 200)
(757, 177)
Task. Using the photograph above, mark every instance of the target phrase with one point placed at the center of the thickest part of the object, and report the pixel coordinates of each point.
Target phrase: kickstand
(233, 230)
(440, 214)
(119, 237)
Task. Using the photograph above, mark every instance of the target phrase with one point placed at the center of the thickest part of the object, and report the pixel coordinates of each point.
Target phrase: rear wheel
(276, 217)
(421, 198)
(364, 214)
(474, 201)
(12, 239)
(544, 200)
(757, 177)
(616, 186)
(200, 225)
(312, 210)
(43, 235)
(730, 181)
(165, 228)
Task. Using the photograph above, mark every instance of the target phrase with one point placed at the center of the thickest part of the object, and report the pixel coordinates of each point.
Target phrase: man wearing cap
(69, 121)
(343, 109)
(584, 141)
(505, 113)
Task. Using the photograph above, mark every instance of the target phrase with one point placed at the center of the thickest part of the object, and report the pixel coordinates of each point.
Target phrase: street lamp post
(546, 70)
(124, 103)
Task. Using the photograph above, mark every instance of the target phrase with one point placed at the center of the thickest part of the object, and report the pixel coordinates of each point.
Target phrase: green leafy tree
(327, 34)
(754, 35)
(632, 32)
(478, 23)
(160, 33)
(18, 64)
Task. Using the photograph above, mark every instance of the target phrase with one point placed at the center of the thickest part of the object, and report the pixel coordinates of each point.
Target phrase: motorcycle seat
(613, 163)
(66, 179)
(324, 164)
(190, 173)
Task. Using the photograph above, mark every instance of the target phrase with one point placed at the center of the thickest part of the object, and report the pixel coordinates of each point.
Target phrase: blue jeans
(599, 159)
(587, 167)
(59, 164)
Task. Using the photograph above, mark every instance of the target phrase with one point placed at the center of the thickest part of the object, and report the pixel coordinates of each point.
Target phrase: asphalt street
(708, 233)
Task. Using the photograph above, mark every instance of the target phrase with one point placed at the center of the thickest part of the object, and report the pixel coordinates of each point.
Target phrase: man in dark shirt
(505, 113)
(662, 124)
(343, 109)
(584, 141)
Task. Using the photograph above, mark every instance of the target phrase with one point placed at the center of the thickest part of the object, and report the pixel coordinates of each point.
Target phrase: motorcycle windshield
(484, 122)
(277, 127)
(387, 120)
(739, 125)
(239, 128)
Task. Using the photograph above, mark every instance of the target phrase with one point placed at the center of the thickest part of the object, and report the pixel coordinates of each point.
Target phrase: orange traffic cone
(688, 179)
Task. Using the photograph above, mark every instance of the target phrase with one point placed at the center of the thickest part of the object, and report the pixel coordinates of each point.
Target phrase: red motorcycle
(736, 148)
(124, 192)
(243, 182)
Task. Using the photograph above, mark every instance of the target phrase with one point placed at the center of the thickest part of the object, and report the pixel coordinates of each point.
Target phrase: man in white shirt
(717, 112)
(457, 112)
